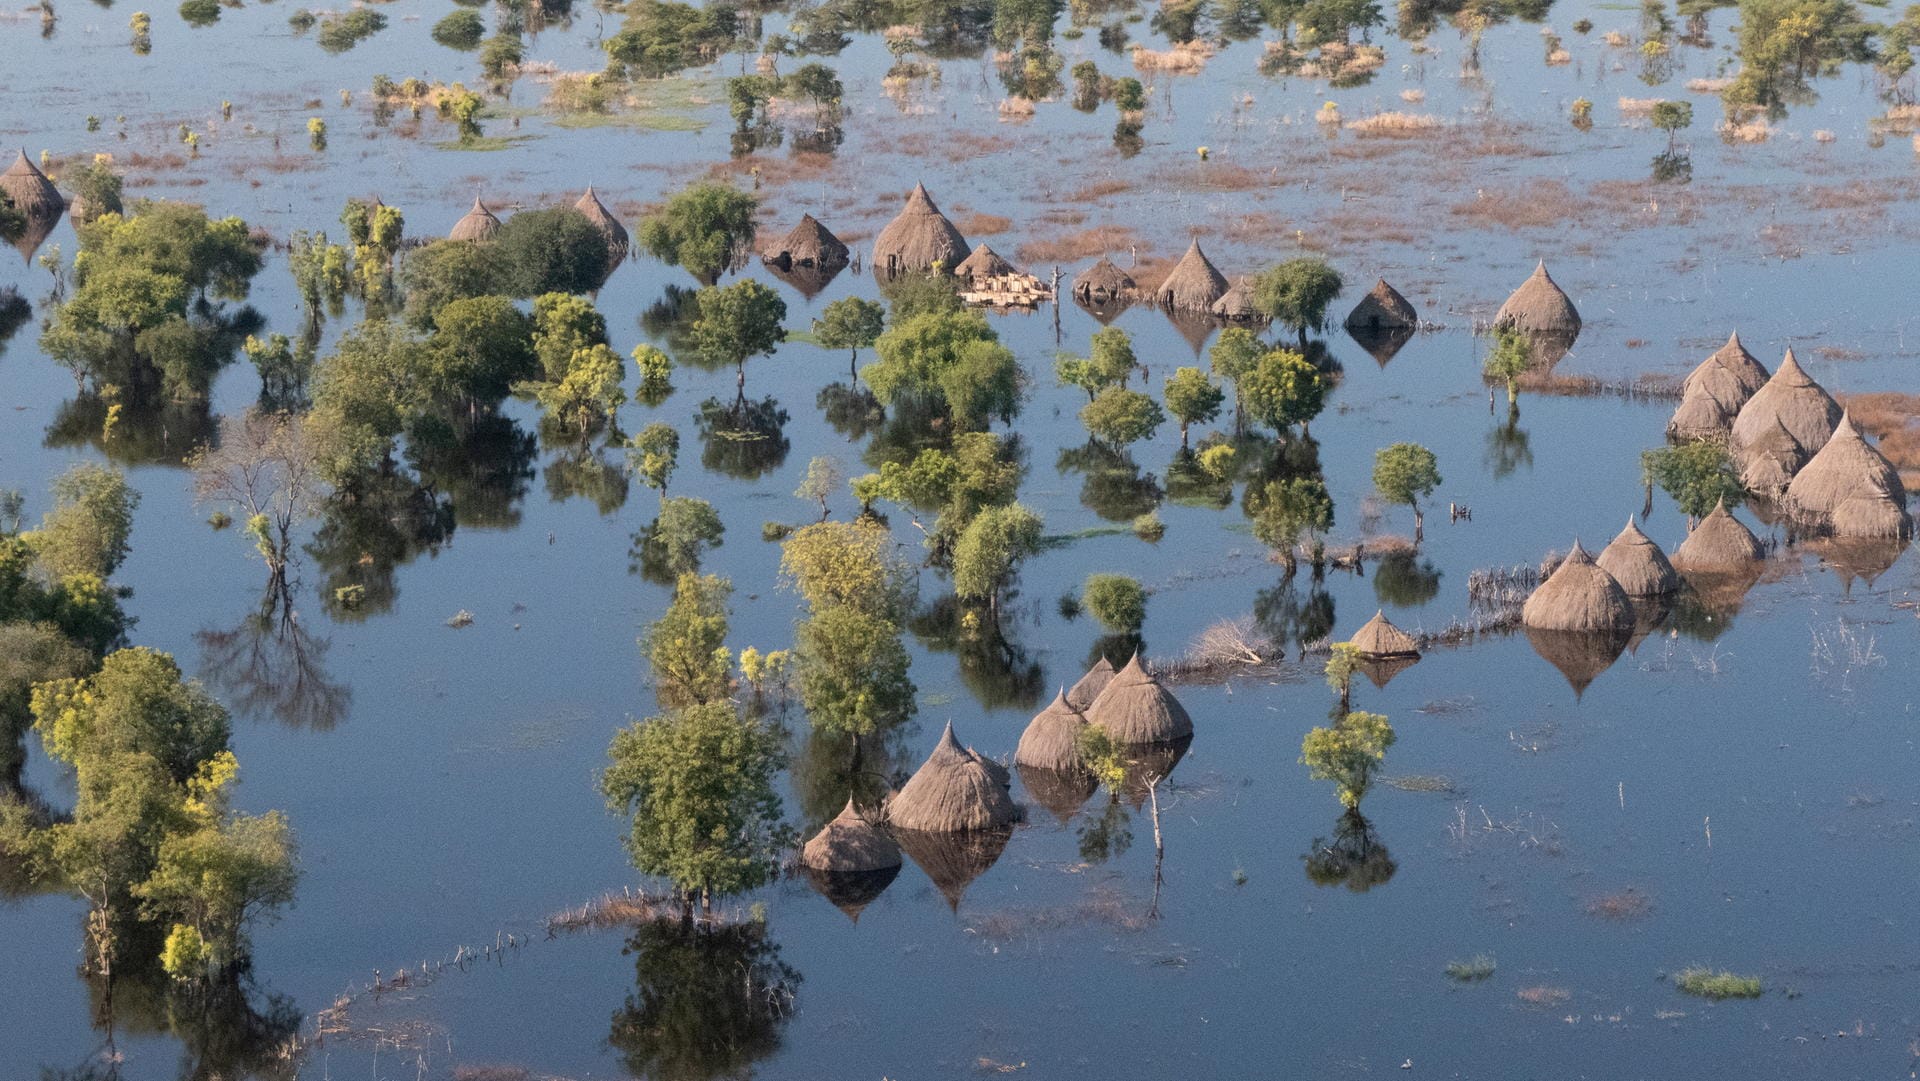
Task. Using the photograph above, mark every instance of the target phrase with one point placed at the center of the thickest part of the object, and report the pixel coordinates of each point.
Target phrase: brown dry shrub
(1084, 244)
(1396, 125)
(1220, 176)
(1185, 58)
(982, 225)
(1148, 275)
(1628, 904)
(801, 165)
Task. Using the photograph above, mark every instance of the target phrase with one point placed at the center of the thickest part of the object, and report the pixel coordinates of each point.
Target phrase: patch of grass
(1473, 970)
(1704, 981)
(1061, 540)
(636, 121)
(485, 143)
(804, 337)
(1418, 782)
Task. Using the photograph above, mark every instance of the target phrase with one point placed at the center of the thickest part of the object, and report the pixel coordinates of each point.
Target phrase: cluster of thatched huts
(955, 815)
(37, 200)
(479, 225)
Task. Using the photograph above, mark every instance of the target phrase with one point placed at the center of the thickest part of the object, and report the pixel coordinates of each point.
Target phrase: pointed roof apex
(1790, 361)
(1846, 428)
(920, 196)
(480, 206)
(947, 739)
(1579, 552)
(24, 164)
(1733, 340)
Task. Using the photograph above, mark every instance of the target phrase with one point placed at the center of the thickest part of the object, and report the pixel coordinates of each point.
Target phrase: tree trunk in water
(1419, 525)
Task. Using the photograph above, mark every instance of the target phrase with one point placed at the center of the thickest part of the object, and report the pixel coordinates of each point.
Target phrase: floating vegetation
(338, 33)
(1702, 980)
(1479, 967)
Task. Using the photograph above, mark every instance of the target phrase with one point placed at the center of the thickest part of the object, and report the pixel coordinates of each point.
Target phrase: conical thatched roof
(1134, 708)
(1061, 792)
(1579, 655)
(808, 244)
(1871, 515)
(1718, 544)
(1083, 693)
(1768, 464)
(476, 225)
(1102, 284)
(953, 790)
(1052, 738)
(850, 843)
(609, 226)
(1638, 564)
(982, 264)
(1578, 596)
(1193, 285)
(1538, 307)
(1380, 638)
(1383, 308)
(1847, 470)
(954, 860)
(1698, 416)
(1236, 304)
(1793, 401)
(30, 192)
(919, 238)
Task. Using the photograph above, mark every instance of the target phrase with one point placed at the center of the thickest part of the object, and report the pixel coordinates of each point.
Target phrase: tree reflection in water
(270, 666)
(746, 440)
(997, 669)
(1354, 858)
(708, 1002)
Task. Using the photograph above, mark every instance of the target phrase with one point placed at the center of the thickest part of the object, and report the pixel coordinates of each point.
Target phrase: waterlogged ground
(1741, 795)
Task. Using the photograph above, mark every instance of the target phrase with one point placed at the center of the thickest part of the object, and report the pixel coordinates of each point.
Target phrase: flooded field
(1556, 836)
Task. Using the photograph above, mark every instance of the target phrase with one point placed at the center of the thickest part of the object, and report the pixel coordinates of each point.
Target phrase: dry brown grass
(1084, 244)
(1413, 95)
(1624, 906)
(1892, 418)
(1638, 106)
(1750, 131)
(1016, 110)
(801, 166)
(1185, 58)
(1223, 176)
(1396, 125)
(1148, 275)
(1542, 995)
(1536, 205)
(1708, 86)
(983, 225)
(1098, 190)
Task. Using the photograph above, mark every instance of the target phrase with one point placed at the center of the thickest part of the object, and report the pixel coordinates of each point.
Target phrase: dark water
(1755, 789)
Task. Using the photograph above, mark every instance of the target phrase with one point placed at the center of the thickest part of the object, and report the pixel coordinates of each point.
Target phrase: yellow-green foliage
(1348, 753)
(1702, 980)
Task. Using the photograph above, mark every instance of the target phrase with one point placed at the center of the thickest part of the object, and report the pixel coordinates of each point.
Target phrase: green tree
(699, 785)
(460, 30)
(823, 478)
(989, 551)
(848, 565)
(653, 454)
(586, 398)
(219, 880)
(660, 37)
(1284, 389)
(1296, 294)
(982, 470)
(1404, 474)
(1671, 117)
(563, 325)
(1348, 753)
(950, 358)
(1343, 662)
(88, 530)
(1286, 509)
(1119, 417)
(686, 647)
(853, 671)
(551, 250)
(850, 323)
(1236, 352)
(95, 186)
(1117, 601)
(1192, 398)
(702, 227)
(1699, 475)
(480, 347)
(1508, 360)
(736, 323)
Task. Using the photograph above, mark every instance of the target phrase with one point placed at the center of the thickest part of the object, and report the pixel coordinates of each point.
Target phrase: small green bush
(1476, 968)
(1117, 601)
(1148, 527)
(1704, 981)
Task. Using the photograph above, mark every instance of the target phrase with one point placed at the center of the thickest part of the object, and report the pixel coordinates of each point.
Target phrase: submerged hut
(1193, 285)
(30, 192)
(1768, 464)
(609, 226)
(850, 861)
(1538, 307)
(1082, 695)
(1790, 400)
(953, 790)
(1383, 308)
(1052, 738)
(1135, 709)
(1715, 392)
(920, 238)
(1719, 544)
(1578, 596)
(476, 225)
(1236, 304)
(1379, 639)
(1848, 472)
(1103, 284)
(984, 263)
(1638, 564)
(808, 244)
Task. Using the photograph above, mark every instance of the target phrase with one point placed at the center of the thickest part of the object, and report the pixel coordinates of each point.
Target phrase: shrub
(1117, 601)
(1704, 981)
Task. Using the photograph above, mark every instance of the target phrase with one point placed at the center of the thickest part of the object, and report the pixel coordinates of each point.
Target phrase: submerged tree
(1192, 398)
(989, 551)
(702, 227)
(1404, 474)
(1116, 600)
(686, 647)
(267, 467)
(88, 530)
(736, 323)
(1288, 509)
(1348, 753)
(852, 324)
(1283, 388)
(1296, 294)
(1699, 475)
(1508, 360)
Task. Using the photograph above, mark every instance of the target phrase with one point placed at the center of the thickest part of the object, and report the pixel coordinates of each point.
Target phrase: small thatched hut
(1638, 564)
(1768, 463)
(30, 192)
(954, 860)
(1790, 400)
(919, 239)
(1578, 596)
(1103, 284)
(609, 226)
(1871, 515)
(1236, 304)
(1383, 308)
(850, 861)
(1379, 639)
(476, 225)
(982, 264)
(1052, 738)
(1719, 544)
(1538, 307)
(1082, 695)
(1135, 709)
(808, 244)
(955, 789)
(1193, 285)
(1848, 472)
(1715, 392)
(1061, 792)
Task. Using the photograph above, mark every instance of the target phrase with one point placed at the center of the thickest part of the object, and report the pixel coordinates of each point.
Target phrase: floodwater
(1740, 795)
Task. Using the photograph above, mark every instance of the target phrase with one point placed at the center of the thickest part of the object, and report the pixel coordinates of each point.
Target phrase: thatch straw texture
(1134, 709)
(954, 860)
(808, 244)
(1793, 401)
(1768, 464)
(1873, 515)
(1715, 392)
(984, 263)
(1638, 564)
(953, 790)
(1061, 792)
(1193, 285)
(1698, 416)
(1236, 304)
(1720, 543)
(476, 225)
(1379, 638)
(1579, 655)
(1103, 283)
(919, 239)
(1578, 596)
(1538, 307)
(850, 843)
(1081, 696)
(30, 192)
(1052, 738)
(609, 226)
(1383, 308)
(1849, 472)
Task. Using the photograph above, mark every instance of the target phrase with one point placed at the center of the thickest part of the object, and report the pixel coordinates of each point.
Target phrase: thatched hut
(1379, 639)
(1135, 709)
(1103, 284)
(30, 192)
(1052, 738)
(1769, 463)
(920, 238)
(1848, 472)
(476, 225)
(1578, 596)
(953, 790)
(1383, 308)
(1715, 392)
(1580, 656)
(1638, 564)
(1081, 695)
(1236, 304)
(1193, 285)
(1719, 544)
(952, 861)
(1789, 400)
(982, 264)
(850, 861)
(1061, 792)
(808, 244)
(1538, 307)
(609, 226)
